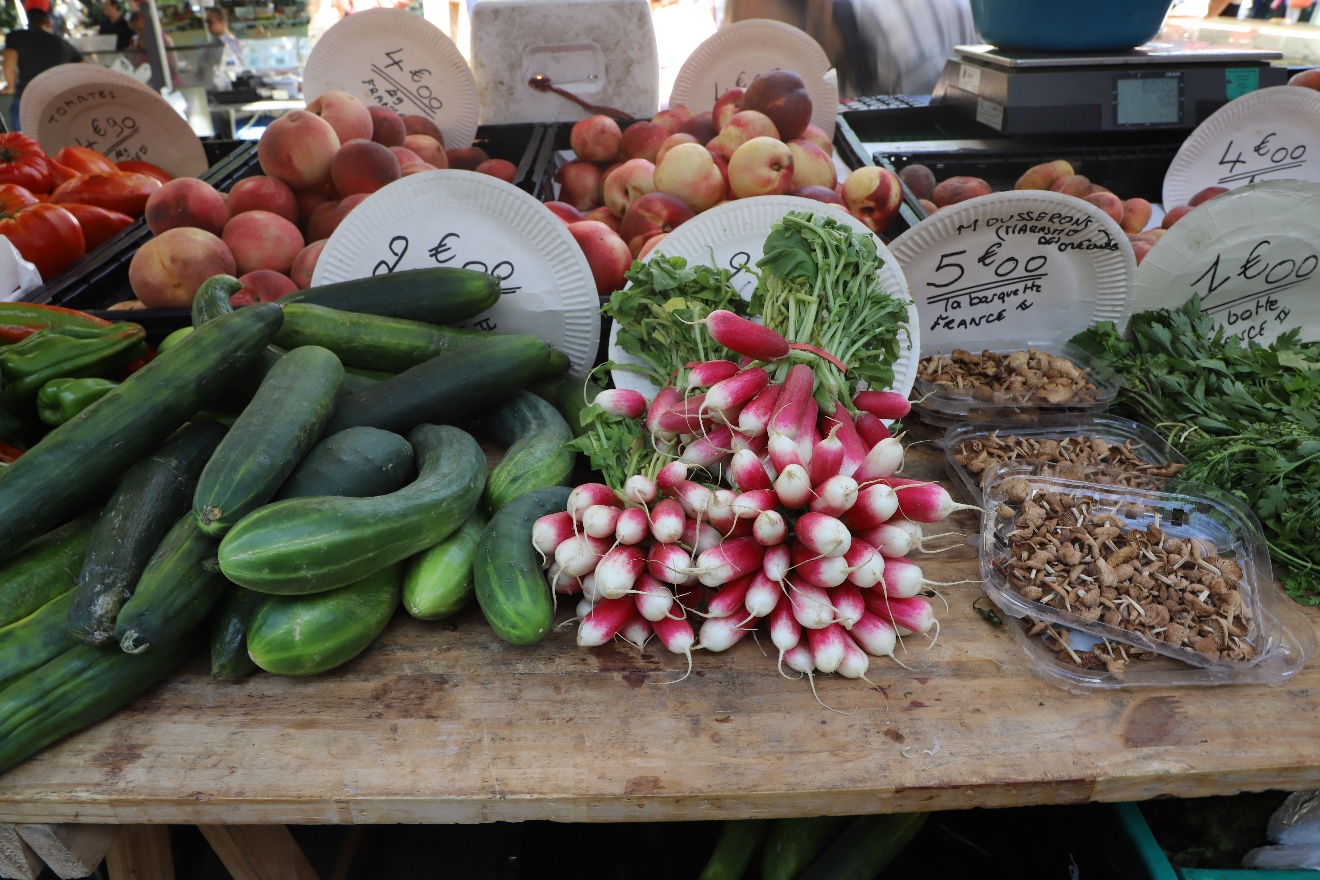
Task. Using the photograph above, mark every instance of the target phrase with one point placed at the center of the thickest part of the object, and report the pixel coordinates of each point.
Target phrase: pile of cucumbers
(277, 482)
(811, 848)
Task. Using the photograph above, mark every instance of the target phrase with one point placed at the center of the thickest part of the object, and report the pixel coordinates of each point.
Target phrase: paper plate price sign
(1001, 268)
(1251, 255)
(1270, 134)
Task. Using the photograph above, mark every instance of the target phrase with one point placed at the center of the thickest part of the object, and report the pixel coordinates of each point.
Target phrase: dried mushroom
(1030, 376)
(979, 454)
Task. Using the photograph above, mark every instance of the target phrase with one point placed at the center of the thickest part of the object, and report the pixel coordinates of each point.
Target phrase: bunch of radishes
(757, 505)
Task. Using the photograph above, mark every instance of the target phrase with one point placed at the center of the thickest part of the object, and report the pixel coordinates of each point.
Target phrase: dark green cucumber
(177, 589)
(438, 582)
(26, 644)
(793, 844)
(307, 545)
(44, 569)
(556, 365)
(229, 656)
(76, 464)
(76, 689)
(865, 847)
(446, 388)
(355, 463)
(370, 342)
(570, 395)
(735, 848)
(212, 298)
(534, 436)
(438, 295)
(510, 587)
(269, 438)
(306, 635)
(145, 505)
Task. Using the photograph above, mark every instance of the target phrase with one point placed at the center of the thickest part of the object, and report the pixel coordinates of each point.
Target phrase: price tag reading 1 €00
(1251, 255)
(997, 270)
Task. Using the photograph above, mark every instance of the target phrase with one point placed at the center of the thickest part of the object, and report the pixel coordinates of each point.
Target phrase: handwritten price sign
(401, 86)
(447, 252)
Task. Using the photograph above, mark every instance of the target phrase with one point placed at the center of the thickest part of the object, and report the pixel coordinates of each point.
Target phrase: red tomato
(23, 162)
(123, 191)
(98, 224)
(14, 198)
(146, 168)
(83, 160)
(47, 236)
(60, 173)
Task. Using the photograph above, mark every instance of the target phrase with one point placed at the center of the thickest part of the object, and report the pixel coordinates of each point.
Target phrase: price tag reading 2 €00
(1013, 267)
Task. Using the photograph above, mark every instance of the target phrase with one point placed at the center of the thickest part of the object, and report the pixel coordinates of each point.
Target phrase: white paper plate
(397, 59)
(739, 53)
(471, 220)
(999, 268)
(733, 234)
(53, 81)
(1270, 134)
(121, 123)
(1251, 255)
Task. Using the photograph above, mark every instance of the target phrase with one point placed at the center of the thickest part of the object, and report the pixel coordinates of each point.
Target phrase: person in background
(137, 50)
(31, 51)
(217, 25)
(115, 23)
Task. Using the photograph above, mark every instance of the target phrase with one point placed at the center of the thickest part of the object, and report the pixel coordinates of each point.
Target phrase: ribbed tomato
(23, 162)
(98, 224)
(83, 160)
(146, 168)
(122, 191)
(46, 235)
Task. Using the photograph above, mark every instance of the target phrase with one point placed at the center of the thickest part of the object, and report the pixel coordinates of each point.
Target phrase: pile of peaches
(629, 186)
(268, 230)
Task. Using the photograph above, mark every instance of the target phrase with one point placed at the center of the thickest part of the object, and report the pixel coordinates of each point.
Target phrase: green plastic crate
(1157, 865)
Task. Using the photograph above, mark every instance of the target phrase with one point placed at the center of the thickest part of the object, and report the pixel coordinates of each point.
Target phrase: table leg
(69, 850)
(17, 860)
(141, 852)
(258, 852)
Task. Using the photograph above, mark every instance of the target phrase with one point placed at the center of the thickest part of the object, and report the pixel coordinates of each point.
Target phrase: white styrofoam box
(603, 51)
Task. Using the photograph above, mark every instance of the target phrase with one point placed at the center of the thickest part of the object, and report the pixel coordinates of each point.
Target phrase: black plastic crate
(522, 144)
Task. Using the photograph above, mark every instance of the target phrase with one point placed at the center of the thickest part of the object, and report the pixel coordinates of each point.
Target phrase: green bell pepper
(61, 399)
(73, 352)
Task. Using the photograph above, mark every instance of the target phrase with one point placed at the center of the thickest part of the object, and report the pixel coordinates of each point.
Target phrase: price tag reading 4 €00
(1007, 267)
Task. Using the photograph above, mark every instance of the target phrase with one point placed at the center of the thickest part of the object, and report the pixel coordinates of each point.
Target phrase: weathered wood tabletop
(441, 722)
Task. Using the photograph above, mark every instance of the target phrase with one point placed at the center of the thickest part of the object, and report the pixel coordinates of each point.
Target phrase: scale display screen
(1148, 100)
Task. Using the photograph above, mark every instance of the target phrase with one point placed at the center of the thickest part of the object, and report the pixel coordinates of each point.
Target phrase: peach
(762, 166)
(726, 105)
(564, 211)
(1044, 175)
(873, 195)
(672, 141)
(405, 156)
(672, 118)
(626, 183)
(1109, 203)
(580, 184)
(1309, 79)
(297, 148)
(308, 200)
(262, 240)
(811, 167)
(743, 127)
(1136, 215)
(641, 140)
(410, 168)
(1173, 215)
(319, 222)
(1155, 234)
(700, 125)
(817, 136)
(262, 193)
(1077, 185)
(953, 190)
(186, 201)
(596, 138)
(650, 215)
(467, 158)
(414, 124)
(1140, 247)
(604, 215)
(650, 243)
(501, 168)
(428, 149)
(606, 253)
(346, 113)
(386, 126)
(820, 194)
(304, 265)
(689, 172)
(919, 180)
(262, 285)
(166, 271)
(781, 95)
(362, 166)
(1206, 194)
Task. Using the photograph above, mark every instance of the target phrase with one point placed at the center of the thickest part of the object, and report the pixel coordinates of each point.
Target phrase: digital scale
(1159, 85)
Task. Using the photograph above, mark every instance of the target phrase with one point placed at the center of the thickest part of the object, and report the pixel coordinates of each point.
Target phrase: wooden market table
(443, 723)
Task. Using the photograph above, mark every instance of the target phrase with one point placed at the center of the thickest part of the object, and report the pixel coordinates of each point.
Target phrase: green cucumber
(306, 635)
(555, 366)
(356, 462)
(534, 435)
(446, 388)
(76, 464)
(229, 656)
(76, 689)
(865, 847)
(438, 295)
(570, 395)
(145, 505)
(212, 298)
(793, 844)
(269, 438)
(306, 545)
(438, 582)
(370, 342)
(177, 589)
(509, 585)
(735, 848)
(26, 644)
(44, 569)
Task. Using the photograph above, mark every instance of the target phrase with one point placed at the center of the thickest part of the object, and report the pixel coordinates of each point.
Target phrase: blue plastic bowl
(1069, 26)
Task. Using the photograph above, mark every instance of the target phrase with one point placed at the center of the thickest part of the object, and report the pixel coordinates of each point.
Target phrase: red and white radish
(865, 563)
(883, 460)
(835, 496)
(750, 505)
(855, 662)
(604, 621)
(729, 599)
(924, 501)
(668, 563)
(729, 560)
(793, 487)
(826, 646)
(665, 399)
(550, 531)
(707, 373)
(783, 451)
(747, 471)
(632, 527)
(822, 534)
(670, 475)
(722, 633)
(700, 537)
(579, 555)
(777, 563)
(848, 601)
(811, 606)
(762, 596)
(676, 634)
(637, 631)
(709, 449)
(871, 429)
(840, 422)
(826, 458)
(720, 513)
(875, 635)
(754, 418)
(875, 504)
(886, 405)
(621, 403)
(619, 569)
(798, 659)
(654, 598)
(736, 390)
(668, 521)
(640, 489)
(913, 613)
(785, 631)
(793, 397)
(745, 336)
(587, 494)
(770, 528)
(599, 520)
